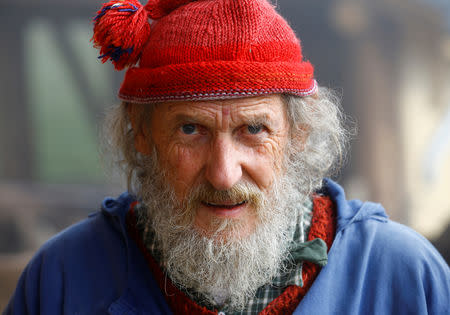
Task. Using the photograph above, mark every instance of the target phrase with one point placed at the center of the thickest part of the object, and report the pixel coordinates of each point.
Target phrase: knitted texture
(323, 226)
(121, 30)
(205, 49)
(159, 8)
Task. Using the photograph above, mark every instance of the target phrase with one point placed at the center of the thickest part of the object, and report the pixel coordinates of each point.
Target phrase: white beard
(221, 267)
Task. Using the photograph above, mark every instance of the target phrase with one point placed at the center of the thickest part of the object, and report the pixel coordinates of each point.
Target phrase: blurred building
(399, 78)
(390, 60)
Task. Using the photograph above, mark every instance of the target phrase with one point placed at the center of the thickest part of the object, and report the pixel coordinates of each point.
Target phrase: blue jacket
(375, 266)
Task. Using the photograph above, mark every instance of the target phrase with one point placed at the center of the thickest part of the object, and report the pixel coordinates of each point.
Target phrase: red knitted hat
(204, 49)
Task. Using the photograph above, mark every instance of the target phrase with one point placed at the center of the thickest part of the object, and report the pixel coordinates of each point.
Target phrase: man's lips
(224, 205)
(226, 209)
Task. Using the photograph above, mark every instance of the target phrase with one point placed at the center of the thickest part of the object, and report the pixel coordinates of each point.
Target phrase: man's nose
(224, 167)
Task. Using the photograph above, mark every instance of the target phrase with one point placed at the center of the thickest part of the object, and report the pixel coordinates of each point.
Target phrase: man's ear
(141, 136)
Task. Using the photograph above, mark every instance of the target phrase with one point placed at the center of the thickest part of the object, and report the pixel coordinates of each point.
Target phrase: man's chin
(225, 230)
(225, 223)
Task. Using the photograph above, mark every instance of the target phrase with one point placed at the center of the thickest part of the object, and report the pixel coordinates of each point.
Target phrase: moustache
(243, 192)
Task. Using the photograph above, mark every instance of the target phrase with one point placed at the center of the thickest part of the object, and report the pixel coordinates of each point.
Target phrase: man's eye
(189, 129)
(254, 129)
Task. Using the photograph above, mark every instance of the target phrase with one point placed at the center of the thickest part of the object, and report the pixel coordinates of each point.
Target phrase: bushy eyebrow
(186, 118)
(263, 119)
(257, 119)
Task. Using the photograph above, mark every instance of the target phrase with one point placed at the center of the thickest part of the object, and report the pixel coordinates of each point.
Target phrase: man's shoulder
(385, 258)
(365, 228)
(367, 224)
(390, 241)
(103, 225)
(377, 264)
(60, 275)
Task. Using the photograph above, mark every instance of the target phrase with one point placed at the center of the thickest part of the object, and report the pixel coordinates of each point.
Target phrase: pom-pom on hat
(204, 49)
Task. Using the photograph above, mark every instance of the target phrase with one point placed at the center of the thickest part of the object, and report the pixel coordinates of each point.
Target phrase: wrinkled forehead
(260, 108)
(271, 105)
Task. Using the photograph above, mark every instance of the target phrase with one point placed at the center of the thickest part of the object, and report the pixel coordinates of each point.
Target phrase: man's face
(221, 145)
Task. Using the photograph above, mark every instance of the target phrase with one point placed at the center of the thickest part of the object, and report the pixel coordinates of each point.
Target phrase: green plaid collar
(267, 293)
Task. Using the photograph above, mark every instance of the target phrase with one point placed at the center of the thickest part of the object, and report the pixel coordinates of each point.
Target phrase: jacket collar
(351, 211)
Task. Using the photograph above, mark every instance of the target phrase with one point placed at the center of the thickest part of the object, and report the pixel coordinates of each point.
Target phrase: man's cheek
(262, 168)
(184, 166)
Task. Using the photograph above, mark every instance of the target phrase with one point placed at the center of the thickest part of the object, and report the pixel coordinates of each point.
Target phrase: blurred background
(389, 59)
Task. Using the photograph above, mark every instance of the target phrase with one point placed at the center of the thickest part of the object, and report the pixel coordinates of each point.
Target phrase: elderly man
(225, 139)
